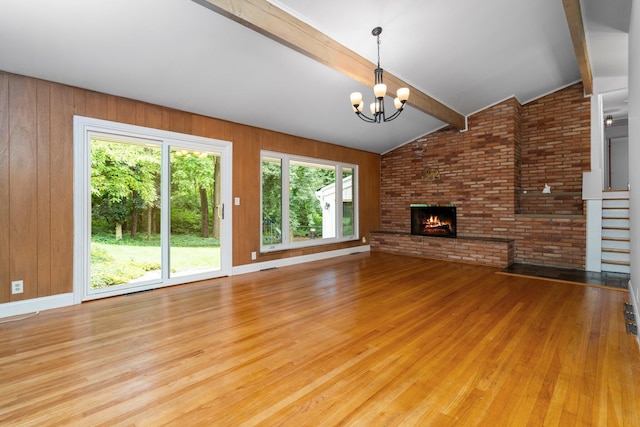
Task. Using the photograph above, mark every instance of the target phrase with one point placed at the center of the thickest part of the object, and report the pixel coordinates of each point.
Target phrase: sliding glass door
(196, 211)
(151, 206)
(125, 245)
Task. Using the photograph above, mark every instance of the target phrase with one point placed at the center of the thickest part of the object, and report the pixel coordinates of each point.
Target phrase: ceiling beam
(272, 22)
(576, 28)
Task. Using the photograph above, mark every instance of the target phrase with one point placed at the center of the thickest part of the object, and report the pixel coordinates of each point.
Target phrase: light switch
(237, 201)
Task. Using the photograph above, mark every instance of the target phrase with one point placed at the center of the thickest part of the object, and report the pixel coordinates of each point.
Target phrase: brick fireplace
(494, 174)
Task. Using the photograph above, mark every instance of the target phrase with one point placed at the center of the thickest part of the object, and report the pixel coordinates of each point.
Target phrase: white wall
(634, 152)
(619, 163)
(618, 135)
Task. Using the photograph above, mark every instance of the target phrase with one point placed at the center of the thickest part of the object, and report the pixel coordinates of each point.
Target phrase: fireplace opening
(437, 221)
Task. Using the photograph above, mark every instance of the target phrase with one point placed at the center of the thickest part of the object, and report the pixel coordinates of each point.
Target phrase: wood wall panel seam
(44, 189)
(5, 248)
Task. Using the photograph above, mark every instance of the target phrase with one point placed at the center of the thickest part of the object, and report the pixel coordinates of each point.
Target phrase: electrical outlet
(364, 239)
(253, 255)
(17, 287)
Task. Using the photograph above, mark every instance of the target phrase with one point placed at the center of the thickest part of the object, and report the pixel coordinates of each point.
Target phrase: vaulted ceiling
(247, 61)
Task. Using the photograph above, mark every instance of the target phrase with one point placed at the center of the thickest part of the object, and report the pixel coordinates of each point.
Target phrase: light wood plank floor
(366, 340)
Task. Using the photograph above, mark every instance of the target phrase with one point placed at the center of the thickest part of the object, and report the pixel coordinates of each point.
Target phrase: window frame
(286, 160)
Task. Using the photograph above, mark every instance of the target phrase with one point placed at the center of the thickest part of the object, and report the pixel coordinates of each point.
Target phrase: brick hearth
(495, 252)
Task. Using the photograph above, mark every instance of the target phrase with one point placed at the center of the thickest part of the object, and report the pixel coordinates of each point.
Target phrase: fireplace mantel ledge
(485, 239)
(561, 216)
(556, 194)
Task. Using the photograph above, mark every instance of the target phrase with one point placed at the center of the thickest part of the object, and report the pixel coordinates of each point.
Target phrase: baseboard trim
(635, 301)
(283, 262)
(34, 305)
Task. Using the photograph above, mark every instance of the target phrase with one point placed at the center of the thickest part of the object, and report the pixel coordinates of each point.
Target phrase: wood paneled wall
(36, 177)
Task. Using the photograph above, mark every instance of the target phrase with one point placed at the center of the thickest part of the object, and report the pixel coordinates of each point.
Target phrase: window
(306, 201)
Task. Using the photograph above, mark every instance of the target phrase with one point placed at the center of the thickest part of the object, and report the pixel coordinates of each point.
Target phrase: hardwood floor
(367, 339)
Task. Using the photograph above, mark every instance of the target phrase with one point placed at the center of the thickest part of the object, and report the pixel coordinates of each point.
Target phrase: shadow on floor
(608, 279)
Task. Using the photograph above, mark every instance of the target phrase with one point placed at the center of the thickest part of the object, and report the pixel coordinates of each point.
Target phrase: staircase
(615, 232)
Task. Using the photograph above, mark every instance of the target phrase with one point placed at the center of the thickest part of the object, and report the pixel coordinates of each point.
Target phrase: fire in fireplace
(433, 220)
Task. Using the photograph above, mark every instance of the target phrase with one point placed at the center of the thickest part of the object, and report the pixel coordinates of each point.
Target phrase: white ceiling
(467, 54)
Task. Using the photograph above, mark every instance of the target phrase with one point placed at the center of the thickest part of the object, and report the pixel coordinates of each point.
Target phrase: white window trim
(339, 167)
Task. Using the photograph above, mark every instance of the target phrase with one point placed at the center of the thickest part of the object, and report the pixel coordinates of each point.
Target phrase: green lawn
(115, 262)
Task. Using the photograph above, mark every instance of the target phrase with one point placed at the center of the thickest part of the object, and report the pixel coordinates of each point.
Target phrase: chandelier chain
(378, 50)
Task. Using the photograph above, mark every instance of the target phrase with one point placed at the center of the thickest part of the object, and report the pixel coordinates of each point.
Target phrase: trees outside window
(303, 202)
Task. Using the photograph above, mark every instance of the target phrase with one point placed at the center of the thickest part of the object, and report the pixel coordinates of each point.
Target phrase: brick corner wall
(508, 149)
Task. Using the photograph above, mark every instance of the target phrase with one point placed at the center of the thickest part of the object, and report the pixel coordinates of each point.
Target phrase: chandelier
(380, 90)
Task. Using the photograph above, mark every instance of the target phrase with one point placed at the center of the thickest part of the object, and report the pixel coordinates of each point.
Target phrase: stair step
(615, 233)
(615, 214)
(615, 204)
(612, 262)
(619, 258)
(615, 247)
(616, 239)
(615, 268)
(615, 251)
(615, 254)
(617, 230)
(617, 223)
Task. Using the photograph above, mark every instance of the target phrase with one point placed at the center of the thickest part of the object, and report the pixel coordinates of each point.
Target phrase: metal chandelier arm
(379, 117)
(365, 118)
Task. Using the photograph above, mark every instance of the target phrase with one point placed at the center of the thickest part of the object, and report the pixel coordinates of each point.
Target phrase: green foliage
(118, 170)
(305, 209)
(177, 240)
(106, 271)
(184, 221)
(100, 225)
(272, 190)
(115, 262)
(99, 255)
(189, 172)
(111, 212)
(125, 180)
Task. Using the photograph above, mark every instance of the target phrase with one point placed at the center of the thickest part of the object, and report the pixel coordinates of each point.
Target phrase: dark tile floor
(614, 280)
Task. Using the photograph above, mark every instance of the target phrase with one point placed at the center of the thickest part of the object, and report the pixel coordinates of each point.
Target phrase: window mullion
(165, 214)
(286, 223)
(338, 203)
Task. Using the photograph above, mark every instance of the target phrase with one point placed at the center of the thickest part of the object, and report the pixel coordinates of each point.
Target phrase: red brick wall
(477, 174)
(556, 141)
(507, 149)
(554, 241)
(550, 204)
